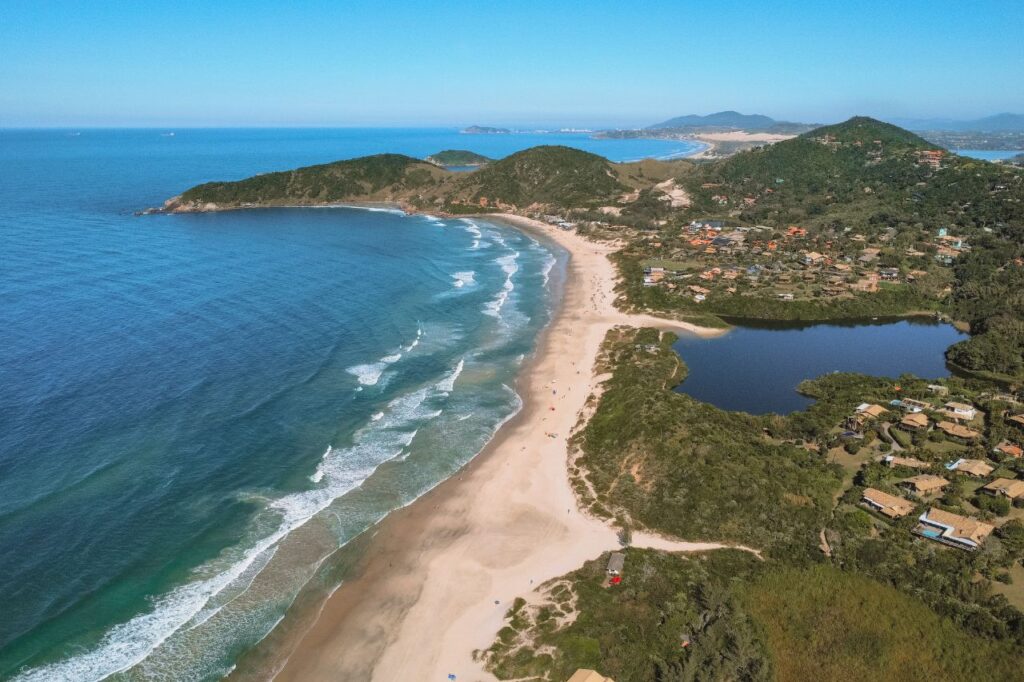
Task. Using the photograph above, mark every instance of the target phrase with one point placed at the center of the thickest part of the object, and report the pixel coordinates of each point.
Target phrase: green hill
(559, 177)
(380, 177)
(830, 165)
(458, 157)
(865, 176)
(555, 175)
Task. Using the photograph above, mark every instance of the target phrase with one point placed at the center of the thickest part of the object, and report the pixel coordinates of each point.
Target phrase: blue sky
(593, 63)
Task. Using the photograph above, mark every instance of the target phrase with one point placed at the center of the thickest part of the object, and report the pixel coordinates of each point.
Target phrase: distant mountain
(999, 123)
(722, 119)
(484, 130)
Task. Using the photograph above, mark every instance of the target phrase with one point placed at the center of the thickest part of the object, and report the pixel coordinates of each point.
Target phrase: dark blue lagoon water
(197, 409)
(756, 369)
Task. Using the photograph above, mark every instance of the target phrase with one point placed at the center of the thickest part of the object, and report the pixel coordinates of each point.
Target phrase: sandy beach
(736, 138)
(439, 575)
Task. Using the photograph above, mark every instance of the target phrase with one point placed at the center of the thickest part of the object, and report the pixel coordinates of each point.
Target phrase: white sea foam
(190, 605)
(549, 263)
(464, 278)
(376, 417)
(474, 230)
(318, 475)
(509, 264)
(375, 209)
(367, 375)
(370, 373)
(447, 385)
(415, 342)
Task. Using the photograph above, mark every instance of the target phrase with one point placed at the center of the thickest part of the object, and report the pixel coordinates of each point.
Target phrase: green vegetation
(825, 624)
(559, 177)
(546, 175)
(856, 186)
(687, 468)
(369, 177)
(633, 632)
(458, 157)
(740, 619)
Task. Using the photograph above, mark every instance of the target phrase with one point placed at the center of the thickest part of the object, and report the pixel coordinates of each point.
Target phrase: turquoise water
(988, 154)
(197, 409)
(756, 368)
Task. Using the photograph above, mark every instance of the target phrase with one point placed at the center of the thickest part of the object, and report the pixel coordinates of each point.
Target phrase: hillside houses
(953, 529)
(924, 484)
(886, 504)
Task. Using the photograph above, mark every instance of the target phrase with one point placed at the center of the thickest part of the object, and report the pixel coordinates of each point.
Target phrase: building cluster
(960, 423)
(788, 264)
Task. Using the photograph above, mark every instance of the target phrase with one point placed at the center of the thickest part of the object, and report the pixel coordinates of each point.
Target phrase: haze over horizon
(597, 64)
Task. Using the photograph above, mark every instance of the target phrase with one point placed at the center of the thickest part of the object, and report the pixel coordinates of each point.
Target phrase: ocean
(197, 410)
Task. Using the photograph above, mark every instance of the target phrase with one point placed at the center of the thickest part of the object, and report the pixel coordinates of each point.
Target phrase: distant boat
(166, 134)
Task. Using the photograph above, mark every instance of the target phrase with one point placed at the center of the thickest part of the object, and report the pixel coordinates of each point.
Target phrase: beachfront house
(924, 484)
(1007, 487)
(952, 529)
(886, 504)
(616, 562)
(971, 467)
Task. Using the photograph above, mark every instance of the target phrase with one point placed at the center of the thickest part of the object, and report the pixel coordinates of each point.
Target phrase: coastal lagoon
(756, 367)
(197, 409)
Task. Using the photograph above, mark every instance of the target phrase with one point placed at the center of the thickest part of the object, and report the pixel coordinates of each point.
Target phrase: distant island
(458, 157)
(485, 130)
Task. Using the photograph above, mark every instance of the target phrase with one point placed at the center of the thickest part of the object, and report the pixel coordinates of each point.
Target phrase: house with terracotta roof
(888, 505)
(952, 529)
(973, 467)
(812, 258)
(924, 484)
(911, 462)
(915, 421)
(871, 410)
(1009, 449)
(957, 431)
(1016, 420)
(1007, 487)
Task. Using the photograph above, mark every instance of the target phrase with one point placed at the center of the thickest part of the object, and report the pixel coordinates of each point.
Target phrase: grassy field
(826, 625)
